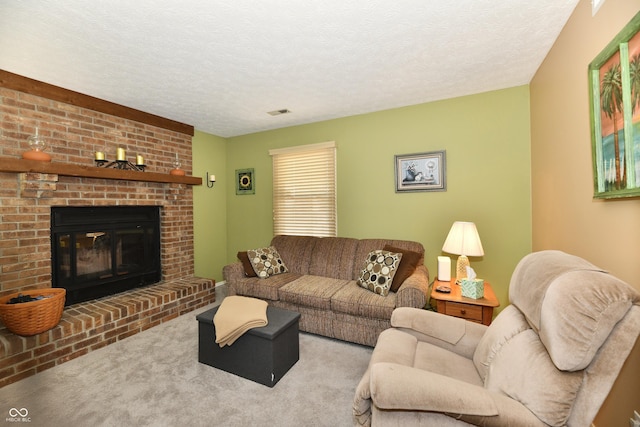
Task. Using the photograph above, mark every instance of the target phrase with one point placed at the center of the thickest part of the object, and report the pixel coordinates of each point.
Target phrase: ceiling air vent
(278, 112)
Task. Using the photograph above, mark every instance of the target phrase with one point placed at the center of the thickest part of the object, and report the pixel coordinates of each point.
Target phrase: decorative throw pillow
(246, 264)
(407, 266)
(266, 262)
(378, 271)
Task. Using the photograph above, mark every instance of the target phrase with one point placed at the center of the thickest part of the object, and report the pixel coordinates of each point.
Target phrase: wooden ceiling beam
(56, 93)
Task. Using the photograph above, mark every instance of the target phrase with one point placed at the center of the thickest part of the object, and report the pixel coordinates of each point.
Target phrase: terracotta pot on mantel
(37, 155)
(176, 168)
(37, 145)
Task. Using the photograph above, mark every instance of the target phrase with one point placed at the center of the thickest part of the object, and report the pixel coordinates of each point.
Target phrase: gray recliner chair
(549, 358)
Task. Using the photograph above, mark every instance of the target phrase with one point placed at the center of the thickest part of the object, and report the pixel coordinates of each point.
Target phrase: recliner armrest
(451, 333)
(402, 387)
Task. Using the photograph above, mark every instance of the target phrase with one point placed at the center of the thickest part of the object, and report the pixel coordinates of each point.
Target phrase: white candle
(120, 154)
(99, 155)
(139, 160)
(444, 268)
(212, 178)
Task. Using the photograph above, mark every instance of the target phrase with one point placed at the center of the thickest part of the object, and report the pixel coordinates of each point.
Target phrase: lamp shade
(463, 239)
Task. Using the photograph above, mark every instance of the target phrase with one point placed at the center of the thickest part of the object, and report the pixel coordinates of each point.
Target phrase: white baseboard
(224, 282)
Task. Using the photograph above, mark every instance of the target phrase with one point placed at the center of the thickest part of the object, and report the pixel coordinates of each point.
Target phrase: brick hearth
(75, 127)
(88, 326)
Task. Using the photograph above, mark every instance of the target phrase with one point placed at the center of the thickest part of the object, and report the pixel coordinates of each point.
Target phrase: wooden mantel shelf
(8, 164)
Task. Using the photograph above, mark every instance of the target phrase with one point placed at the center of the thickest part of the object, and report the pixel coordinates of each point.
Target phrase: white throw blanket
(236, 316)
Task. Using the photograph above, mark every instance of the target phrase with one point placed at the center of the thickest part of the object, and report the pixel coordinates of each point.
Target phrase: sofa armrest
(414, 291)
(451, 333)
(231, 274)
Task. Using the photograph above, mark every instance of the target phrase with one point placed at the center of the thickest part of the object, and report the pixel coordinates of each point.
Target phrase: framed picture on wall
(614, 83)
(421, 172)
(245, 181)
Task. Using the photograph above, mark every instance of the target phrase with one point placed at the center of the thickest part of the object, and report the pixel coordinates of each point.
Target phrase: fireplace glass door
(101, 251)
(92, 256)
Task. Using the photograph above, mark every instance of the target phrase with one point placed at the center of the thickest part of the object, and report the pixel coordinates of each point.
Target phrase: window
(304, 190)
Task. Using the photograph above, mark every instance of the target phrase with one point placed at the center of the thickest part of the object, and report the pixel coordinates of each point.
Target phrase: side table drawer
(466, 311)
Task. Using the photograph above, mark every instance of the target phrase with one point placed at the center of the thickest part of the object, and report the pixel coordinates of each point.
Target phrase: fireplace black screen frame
(112, 225)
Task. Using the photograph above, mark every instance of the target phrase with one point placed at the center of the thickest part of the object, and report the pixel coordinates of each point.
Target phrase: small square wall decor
(245, 181)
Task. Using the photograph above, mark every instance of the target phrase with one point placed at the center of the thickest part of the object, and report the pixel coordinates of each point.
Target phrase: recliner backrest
(544, 349)
(572, 304)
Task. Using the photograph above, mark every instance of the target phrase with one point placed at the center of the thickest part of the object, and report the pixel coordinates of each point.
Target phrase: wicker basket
(34, 317)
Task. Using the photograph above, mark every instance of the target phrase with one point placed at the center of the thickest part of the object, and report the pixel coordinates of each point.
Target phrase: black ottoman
(262, 355)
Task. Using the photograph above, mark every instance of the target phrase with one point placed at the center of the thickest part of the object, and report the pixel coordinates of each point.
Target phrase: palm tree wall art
(614, 81)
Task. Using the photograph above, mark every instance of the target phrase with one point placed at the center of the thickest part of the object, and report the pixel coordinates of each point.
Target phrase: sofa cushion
(355, 300)
(311, 291)
(408, 264)
(295, 251)
(333, 257)
(378, 271)
(246, 264)
(266, 289)
(266, 261)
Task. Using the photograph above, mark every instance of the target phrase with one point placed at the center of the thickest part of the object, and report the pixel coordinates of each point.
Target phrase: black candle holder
(120, 164)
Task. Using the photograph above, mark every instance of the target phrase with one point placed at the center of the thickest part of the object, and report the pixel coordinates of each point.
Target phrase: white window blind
(304, 190)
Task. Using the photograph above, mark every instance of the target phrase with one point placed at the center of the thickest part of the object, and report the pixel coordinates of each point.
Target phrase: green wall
(487, 143)
(210, 206)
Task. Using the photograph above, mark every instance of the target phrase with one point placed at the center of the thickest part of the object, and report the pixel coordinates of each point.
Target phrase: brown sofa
(321, 285)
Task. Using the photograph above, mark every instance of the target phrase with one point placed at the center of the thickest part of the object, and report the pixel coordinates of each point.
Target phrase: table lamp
(463, 240)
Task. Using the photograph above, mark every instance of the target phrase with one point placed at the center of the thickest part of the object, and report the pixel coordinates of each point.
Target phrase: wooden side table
(454, 304)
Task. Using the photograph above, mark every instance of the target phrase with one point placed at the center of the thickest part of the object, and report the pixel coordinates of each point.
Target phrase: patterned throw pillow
(378, 271)
(266, 262)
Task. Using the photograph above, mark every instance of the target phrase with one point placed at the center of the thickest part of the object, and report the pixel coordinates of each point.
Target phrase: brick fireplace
(75, 126)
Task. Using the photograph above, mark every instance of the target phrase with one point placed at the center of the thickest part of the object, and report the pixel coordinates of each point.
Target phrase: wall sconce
(211, 179)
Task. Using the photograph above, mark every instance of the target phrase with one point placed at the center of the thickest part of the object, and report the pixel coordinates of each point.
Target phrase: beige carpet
(154, 379)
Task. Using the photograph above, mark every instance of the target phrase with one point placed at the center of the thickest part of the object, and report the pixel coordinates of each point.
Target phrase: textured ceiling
(222, 65)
